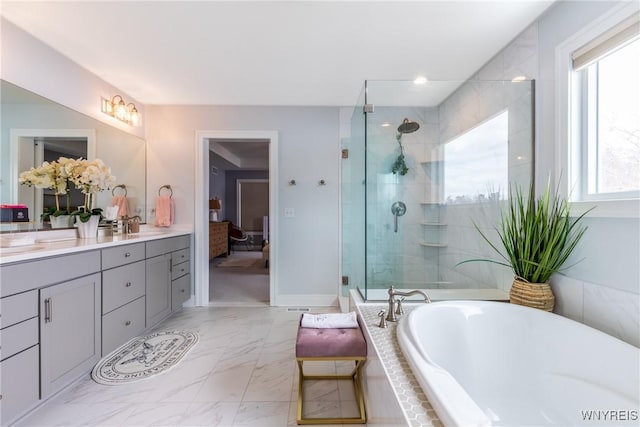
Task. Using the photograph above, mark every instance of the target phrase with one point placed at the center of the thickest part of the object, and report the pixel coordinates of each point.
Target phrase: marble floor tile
(157, 414)
(263, 414)
(242, 372)
(78, 414)
(217, 414)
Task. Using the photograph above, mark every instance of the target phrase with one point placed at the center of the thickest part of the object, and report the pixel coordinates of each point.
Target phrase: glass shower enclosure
(424, 165)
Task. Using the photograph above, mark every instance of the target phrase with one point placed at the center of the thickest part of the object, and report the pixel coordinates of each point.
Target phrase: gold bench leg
(355, 376)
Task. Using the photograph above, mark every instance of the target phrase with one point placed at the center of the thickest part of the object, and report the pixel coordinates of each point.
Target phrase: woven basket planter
(535, 295)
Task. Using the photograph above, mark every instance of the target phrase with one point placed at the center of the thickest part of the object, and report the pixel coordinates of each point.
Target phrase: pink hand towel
(164, 211)
(122, 204)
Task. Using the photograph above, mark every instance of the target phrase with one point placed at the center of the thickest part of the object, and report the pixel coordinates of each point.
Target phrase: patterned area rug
(143, 357)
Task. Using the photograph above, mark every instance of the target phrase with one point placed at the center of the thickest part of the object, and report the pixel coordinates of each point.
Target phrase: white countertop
(61, 242)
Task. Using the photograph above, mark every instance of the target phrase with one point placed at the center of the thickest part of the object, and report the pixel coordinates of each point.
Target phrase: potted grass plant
(538, 235)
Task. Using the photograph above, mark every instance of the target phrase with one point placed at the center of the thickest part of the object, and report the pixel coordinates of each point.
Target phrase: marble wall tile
(613, 311)
(569, 294)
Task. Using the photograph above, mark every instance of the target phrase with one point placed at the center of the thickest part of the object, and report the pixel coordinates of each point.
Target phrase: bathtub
(488, 363)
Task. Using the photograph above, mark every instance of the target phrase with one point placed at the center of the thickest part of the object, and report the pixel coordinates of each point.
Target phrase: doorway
(224, 144)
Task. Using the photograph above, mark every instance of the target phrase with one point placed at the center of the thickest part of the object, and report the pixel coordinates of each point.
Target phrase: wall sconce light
(116, 107)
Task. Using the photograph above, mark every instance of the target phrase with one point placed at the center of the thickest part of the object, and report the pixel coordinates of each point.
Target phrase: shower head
(408, 126)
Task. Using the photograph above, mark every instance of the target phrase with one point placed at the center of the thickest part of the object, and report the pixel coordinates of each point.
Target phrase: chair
(237, 235)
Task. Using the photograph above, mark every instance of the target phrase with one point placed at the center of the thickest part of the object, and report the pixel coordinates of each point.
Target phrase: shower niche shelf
(433, 245)
(433, 224)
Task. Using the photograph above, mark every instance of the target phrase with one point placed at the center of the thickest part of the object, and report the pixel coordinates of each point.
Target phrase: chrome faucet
(392, 313)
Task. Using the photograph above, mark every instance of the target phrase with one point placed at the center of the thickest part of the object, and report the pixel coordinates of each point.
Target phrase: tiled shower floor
(242, 372)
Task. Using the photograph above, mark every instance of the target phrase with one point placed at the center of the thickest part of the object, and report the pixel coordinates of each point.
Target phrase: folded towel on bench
(329, 320)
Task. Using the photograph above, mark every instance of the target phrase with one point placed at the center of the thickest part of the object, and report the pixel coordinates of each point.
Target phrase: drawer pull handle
(127, 254)
(128, 284)
(127, 323)
(47, 310)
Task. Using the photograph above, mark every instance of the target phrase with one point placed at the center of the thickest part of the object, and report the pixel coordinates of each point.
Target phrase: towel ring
(124, 187)
(168, 187)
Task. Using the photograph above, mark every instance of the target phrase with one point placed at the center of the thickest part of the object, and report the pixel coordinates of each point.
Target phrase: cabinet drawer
(179, 270)
(121, 255)
(122, 285)
(180, 256)
(25, 276)
(122, 324)
(180, 291)
(20, 383)
(164, 246)
(19, 307)
(18, 337)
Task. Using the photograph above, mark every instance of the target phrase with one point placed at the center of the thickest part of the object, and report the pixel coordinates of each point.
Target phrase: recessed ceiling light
(518, 79)
(420, 80)
(385, 125)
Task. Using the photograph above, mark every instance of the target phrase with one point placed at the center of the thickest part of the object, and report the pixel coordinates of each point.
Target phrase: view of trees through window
(476, 166)
(613, 130)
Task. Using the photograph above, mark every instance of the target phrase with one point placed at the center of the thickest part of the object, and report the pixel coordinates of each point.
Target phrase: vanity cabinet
(167, 261)
(180, 278)
(70, 340)
(123, 301)
(158, 290)
(19, 354)
(60, 314)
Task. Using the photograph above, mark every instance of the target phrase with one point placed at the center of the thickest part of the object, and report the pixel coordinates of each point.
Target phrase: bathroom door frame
(201, 238)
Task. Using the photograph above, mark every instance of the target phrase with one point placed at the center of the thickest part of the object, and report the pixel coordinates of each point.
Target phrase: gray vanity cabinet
(70, 340)
(59, 315)
(167, 275)
(180, 278)
(123, 304)
(19, 354)
(158, 293)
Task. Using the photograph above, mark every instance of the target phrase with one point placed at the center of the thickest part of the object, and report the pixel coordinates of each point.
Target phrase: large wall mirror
(35, 129)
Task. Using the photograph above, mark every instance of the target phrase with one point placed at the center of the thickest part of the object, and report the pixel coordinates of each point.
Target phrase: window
(477, 163)
(606, 79)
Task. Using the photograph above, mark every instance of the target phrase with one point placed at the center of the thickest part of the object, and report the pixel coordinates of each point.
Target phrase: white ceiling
(311, 53)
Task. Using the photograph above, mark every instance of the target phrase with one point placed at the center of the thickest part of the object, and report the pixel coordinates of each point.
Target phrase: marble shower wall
(402, 258)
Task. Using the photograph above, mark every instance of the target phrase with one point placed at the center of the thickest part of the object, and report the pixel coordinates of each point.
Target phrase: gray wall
(603, 288)
(309, 150)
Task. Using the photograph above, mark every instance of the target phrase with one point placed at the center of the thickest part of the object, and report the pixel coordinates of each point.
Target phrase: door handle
(47, 311)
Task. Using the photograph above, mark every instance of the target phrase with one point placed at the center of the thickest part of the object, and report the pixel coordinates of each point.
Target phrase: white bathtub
(489, 363)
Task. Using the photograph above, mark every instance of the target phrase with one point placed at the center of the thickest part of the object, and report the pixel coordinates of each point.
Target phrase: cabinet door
(158, 292)
(18, 384)
(69, 331)
(180, 291)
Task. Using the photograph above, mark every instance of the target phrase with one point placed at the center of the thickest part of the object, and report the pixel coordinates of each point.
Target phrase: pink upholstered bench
(331, 345)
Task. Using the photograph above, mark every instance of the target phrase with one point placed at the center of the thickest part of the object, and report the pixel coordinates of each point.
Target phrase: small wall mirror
(35, 129)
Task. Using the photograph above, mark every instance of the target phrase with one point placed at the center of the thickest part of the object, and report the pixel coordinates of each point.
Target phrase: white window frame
(568, 148)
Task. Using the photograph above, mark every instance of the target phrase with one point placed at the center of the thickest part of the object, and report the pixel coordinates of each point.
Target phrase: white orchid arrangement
(89, 176)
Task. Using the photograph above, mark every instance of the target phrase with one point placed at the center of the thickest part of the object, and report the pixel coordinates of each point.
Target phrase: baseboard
(306, 301)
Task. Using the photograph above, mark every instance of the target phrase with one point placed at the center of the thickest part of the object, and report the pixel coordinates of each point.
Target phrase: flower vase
(89, 229)
(61, 221)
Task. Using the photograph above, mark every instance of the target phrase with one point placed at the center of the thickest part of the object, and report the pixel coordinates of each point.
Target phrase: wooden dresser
(218, 239)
